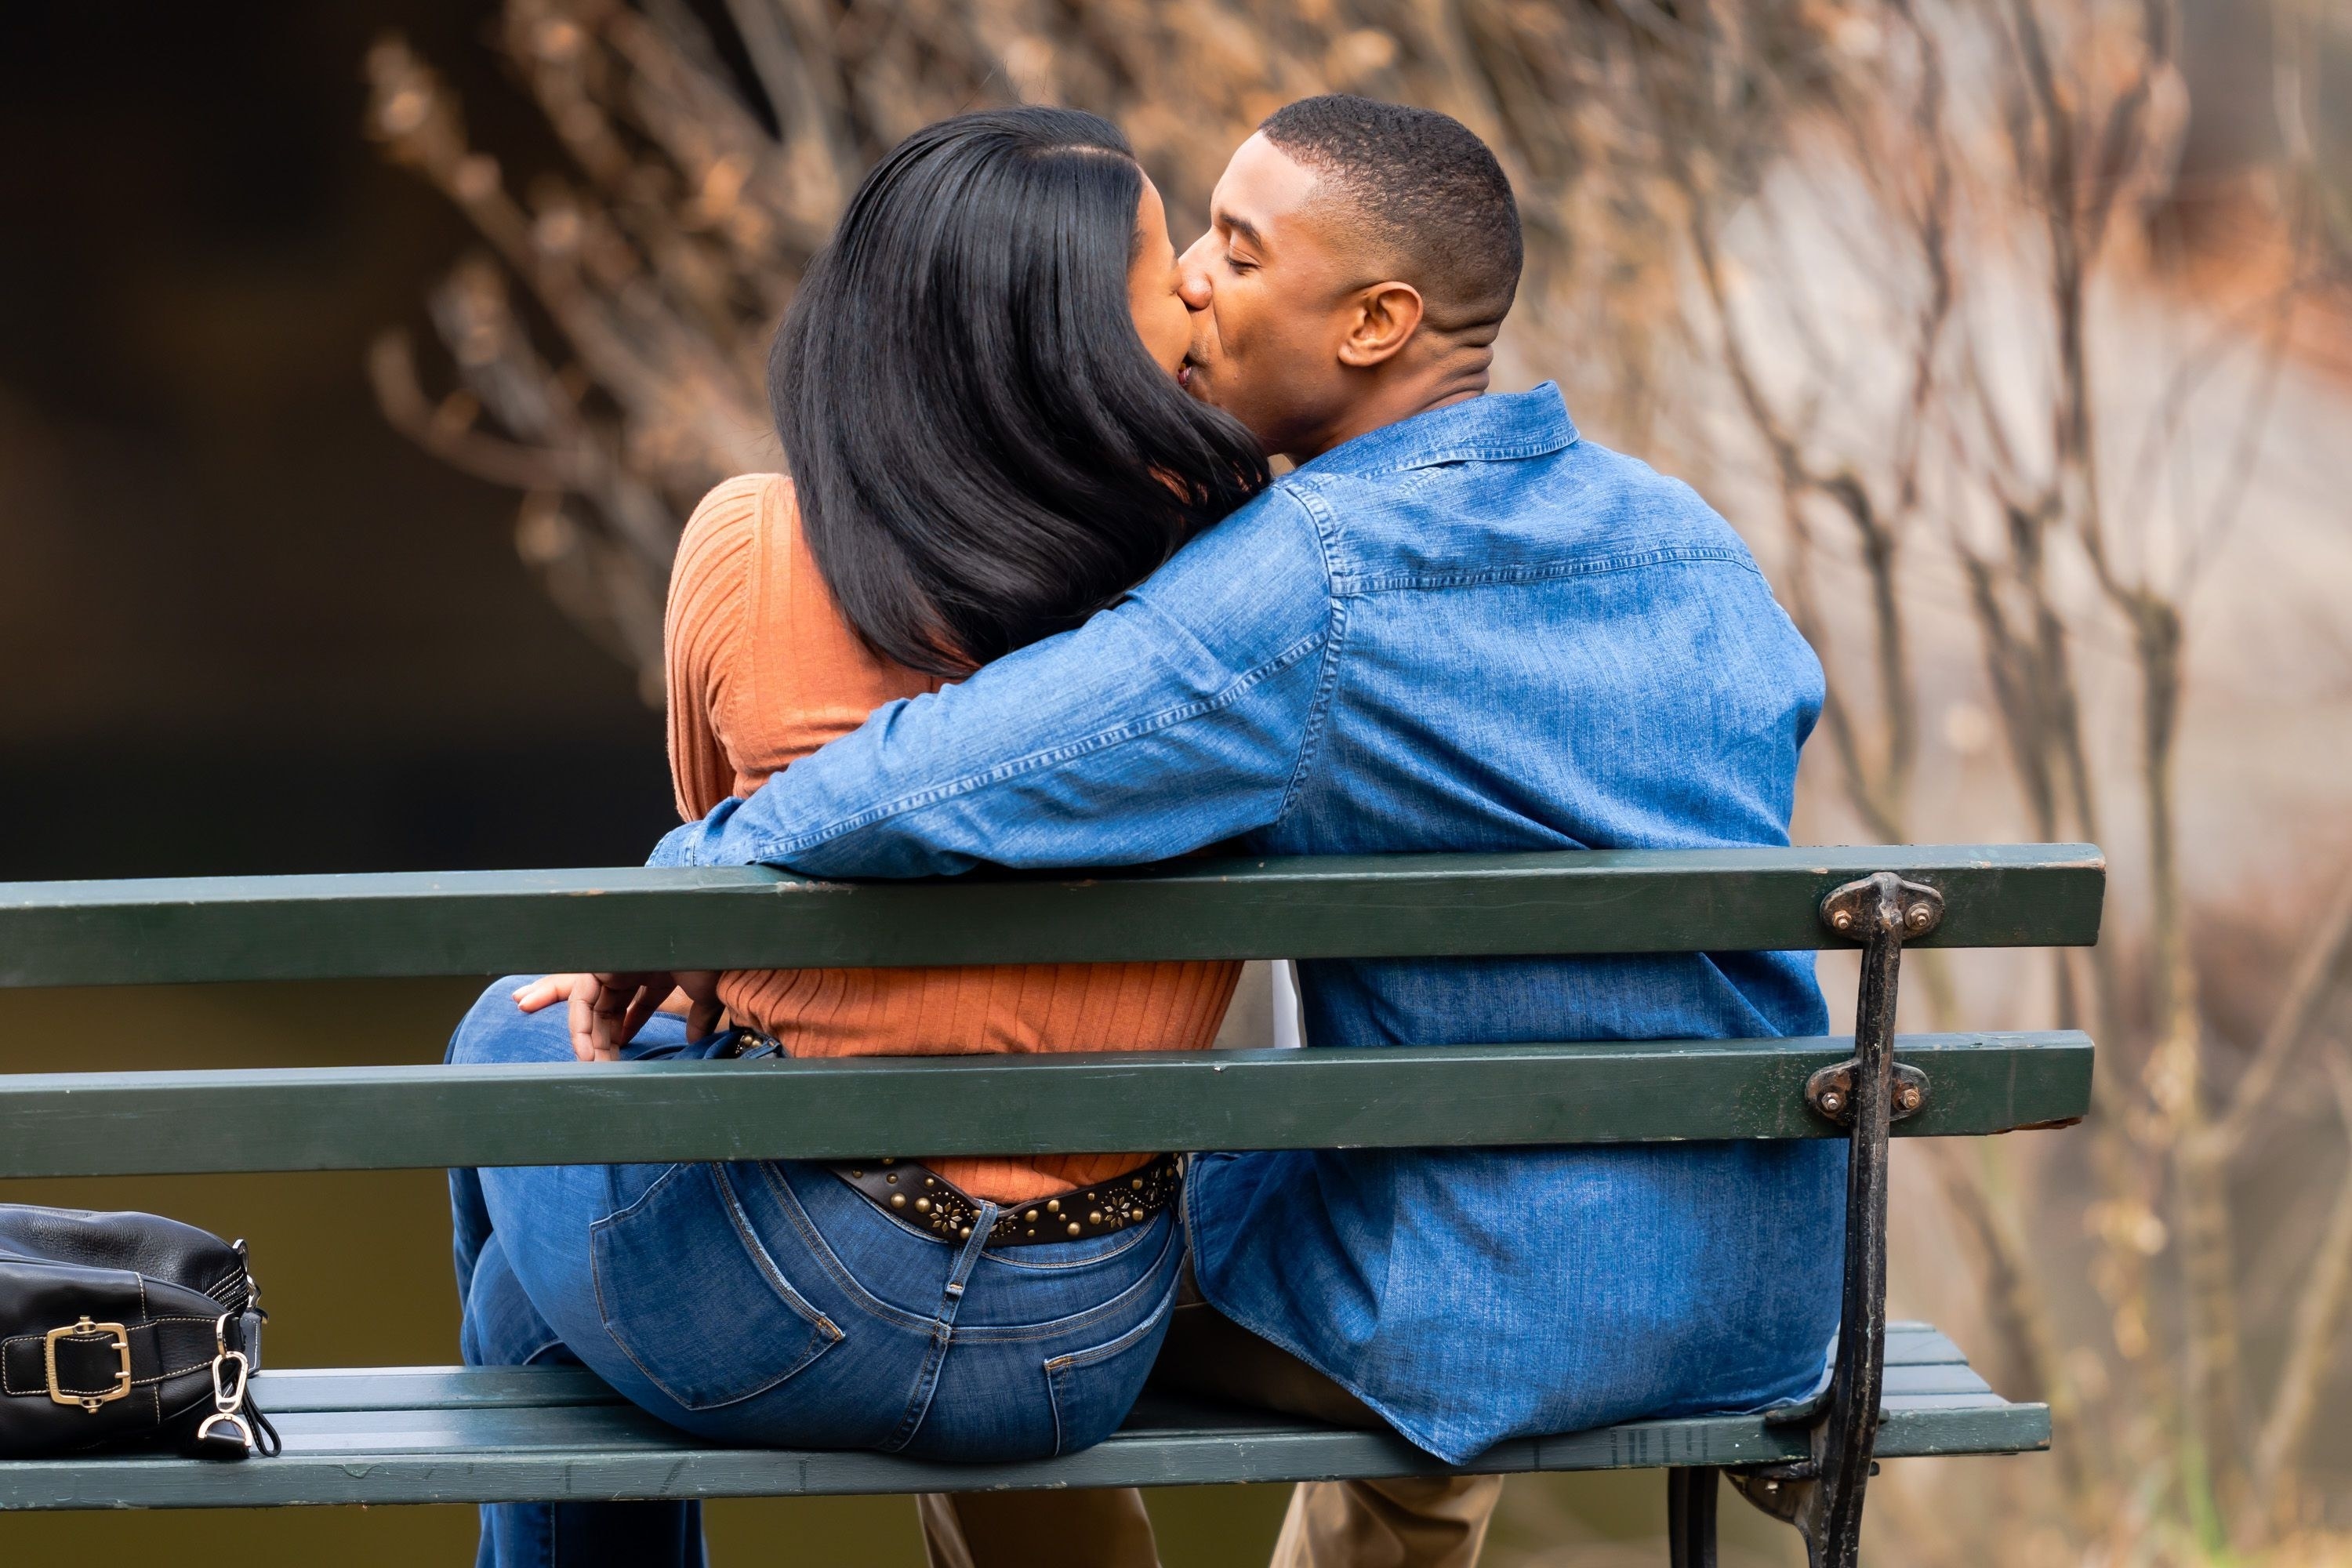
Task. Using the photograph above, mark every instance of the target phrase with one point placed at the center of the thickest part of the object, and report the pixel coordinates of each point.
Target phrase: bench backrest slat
(297, 928)
(390, 1117)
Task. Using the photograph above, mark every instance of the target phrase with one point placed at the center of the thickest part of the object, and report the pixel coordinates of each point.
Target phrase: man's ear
(1386, 317)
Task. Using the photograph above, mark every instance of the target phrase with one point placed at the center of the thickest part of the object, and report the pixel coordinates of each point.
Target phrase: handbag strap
(103, 1361)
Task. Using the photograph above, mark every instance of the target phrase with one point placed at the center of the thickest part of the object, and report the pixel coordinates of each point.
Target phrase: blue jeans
(766, 1303)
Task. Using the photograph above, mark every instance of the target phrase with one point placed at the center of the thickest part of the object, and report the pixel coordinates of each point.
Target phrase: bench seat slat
(468, 1452)
(318, 1119)
(1915, 1344)
(1921, 1382)
(489, 922)
(1916, 1362)
(623, 1428)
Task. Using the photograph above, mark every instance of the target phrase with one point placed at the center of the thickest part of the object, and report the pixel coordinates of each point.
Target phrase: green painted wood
(611, 1451)
(1920, 1382)
(1919, 1357)
(309, 1390)
(1920, 1343)
(318, 1119)
(488, 922)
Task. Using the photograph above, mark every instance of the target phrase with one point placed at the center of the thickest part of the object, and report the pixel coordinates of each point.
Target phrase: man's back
(1538, 645)
(1467, 631)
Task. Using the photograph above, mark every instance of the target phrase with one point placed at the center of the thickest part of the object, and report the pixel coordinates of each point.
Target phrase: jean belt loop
(973, 1247)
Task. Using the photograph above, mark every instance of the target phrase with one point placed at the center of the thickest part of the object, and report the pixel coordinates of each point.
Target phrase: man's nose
(1192, 269)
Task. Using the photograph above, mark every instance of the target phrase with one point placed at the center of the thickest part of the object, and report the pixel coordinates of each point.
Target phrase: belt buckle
(85, 1328)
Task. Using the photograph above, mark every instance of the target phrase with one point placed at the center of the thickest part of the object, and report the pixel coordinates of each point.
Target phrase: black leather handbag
(121, 1330)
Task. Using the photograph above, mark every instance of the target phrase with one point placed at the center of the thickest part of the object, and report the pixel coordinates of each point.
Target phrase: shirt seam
(1390, 582)
(1320, 518)
(1493, 452)
(751, 607)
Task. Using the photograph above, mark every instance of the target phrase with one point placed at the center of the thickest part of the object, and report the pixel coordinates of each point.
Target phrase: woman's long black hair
(985, 452)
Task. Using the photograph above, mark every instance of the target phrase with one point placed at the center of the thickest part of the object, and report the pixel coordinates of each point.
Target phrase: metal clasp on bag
(84, 1329)
(228, 1397)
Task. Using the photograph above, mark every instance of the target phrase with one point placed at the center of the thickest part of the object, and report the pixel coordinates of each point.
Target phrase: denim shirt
(1471, 630)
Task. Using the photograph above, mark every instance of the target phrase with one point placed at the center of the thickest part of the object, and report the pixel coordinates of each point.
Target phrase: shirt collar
(1493, 428)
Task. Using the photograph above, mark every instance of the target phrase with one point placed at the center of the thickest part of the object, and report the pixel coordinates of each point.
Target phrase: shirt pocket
(690, 1294)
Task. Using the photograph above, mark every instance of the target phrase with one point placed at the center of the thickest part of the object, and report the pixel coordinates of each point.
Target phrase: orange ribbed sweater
(764, 670)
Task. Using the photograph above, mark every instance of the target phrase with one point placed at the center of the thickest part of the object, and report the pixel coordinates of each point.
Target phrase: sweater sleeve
(709, 593)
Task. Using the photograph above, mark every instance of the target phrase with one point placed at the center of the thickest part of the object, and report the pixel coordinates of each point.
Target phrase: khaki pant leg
(1417, 1522)
(1105, 1528)
(1207, 1353)
(1434, 1521)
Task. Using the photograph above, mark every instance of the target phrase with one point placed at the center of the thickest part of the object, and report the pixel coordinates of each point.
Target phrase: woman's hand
(605, 1011)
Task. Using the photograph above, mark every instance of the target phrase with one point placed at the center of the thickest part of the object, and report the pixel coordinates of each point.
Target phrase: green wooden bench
(420, 1435)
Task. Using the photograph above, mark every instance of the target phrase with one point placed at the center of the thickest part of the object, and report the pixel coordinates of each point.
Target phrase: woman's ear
(1387, 315)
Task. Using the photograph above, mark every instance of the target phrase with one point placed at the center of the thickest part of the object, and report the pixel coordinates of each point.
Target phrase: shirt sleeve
(1180, 716)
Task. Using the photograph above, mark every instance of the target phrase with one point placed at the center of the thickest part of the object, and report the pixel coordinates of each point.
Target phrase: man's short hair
(1431, 195)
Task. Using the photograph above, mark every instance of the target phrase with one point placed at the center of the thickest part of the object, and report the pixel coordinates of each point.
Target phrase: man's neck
(1398, 399)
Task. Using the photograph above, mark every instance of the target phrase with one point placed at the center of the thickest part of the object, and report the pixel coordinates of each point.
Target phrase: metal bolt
(1843, 919)
(1909, 1097)
(1833, 1102)
(1919, 917)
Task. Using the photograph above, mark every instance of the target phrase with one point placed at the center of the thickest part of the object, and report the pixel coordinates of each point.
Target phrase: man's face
(1269, 281)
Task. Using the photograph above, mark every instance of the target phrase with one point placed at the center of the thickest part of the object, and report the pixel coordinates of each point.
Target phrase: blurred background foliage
(2012, 334)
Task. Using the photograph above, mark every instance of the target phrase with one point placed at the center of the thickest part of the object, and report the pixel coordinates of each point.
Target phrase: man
(1456, 626)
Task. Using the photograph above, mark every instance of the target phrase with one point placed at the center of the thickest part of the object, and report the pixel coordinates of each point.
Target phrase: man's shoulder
(1639, 501)
(1252, 585)
(1581, 507)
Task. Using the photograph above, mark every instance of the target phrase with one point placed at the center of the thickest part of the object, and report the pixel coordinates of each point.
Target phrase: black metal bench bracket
(1829, 1091)
(1868, 1093)
(1690, 1517)
(1822, 1496)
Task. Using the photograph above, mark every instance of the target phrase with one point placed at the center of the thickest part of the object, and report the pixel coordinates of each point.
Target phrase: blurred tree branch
(1859, 260)
(660, 261)
(2311, 1343)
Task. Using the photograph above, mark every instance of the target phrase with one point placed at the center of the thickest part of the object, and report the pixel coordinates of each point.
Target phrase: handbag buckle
(85, 1329)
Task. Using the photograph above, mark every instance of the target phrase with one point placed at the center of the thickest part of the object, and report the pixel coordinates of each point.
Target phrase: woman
(978, 391)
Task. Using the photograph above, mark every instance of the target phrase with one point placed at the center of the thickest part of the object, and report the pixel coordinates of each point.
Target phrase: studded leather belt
(923, 1198)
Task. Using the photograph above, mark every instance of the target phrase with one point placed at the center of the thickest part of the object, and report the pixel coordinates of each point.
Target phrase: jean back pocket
(690, 1294)
(1093, 1389)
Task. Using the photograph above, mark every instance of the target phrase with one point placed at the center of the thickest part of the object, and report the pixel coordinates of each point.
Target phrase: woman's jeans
(766, 1303)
